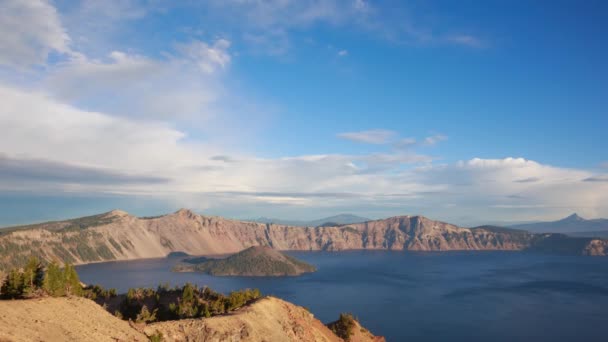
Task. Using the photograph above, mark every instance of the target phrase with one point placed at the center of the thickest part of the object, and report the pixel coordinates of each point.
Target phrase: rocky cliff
(119, 236)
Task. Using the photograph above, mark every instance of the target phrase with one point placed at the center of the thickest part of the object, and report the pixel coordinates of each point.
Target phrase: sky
(469, 112)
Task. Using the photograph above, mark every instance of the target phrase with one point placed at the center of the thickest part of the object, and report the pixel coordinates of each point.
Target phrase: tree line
(138, 304)
(34, 281)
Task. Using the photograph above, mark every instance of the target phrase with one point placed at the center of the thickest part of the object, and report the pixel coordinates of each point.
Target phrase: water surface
(456, 296)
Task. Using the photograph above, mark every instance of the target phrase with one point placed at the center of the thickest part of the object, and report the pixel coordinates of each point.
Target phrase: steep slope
(253, 261)
(119, 236)
(570, 224)
(269, 319)
(62, 319)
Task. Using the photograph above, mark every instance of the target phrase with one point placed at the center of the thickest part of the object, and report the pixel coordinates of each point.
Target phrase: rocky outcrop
(269, 319)
(119, 236)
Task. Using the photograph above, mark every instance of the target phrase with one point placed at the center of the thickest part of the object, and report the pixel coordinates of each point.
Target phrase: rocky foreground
(79, 319)
(119, 236)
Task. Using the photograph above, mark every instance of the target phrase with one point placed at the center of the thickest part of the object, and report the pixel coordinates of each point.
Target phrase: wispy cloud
(374, 136)
(602, 178)
(528, 180)
(207, 57)
(343, 53)
(434, 139)
(465, 40)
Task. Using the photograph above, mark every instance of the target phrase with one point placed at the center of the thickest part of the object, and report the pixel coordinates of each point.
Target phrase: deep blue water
(456, 296)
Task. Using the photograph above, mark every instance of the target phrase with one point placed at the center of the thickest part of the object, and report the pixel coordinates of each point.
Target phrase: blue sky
(467, 111)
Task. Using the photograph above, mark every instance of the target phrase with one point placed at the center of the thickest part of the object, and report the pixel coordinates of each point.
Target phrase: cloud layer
(171, 125)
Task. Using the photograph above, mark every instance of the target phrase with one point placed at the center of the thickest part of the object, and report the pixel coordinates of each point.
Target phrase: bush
(343, 326)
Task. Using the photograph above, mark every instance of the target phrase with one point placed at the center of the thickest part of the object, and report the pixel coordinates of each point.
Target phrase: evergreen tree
(13, 285)
(33, 275)
(71, 281)
(54, 282)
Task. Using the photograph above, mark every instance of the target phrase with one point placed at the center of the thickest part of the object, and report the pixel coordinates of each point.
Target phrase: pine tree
(33, 275)
(13, 285)
(71, 281)
(54, 283)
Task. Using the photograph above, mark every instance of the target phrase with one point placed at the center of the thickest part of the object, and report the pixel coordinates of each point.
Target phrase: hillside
(79, 319)
(253, 261)
(62, 319)
(269, 319)
(572, 224)
(119, 236)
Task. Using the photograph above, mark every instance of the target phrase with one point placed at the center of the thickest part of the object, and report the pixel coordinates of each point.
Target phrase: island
(257, 261)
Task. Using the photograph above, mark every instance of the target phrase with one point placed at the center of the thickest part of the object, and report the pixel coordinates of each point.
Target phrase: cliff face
(119, 236)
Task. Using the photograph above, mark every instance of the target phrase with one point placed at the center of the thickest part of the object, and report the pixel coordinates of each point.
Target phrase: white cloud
(497, 183)
(343, 53)
(63, 146)
(185, 85)
(29, 31)
(434, 139)
(375, 136)
(209, 58)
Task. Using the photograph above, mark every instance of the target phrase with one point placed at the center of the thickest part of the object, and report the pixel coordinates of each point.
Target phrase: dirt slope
(61, 319)
(269, 319)
(78, 319)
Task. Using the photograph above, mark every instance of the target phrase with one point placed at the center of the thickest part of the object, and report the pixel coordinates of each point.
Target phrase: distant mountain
(571, 224)
(253, 262)
(324, 222)
(116, 235)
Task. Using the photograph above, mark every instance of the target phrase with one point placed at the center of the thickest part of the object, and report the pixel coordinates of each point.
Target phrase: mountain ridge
(567, 225)
(117, 235)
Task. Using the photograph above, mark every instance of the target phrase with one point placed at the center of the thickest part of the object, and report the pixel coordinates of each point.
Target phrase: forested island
(254, 261)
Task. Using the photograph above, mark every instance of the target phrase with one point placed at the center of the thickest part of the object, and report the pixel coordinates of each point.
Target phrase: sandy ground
(61, 319)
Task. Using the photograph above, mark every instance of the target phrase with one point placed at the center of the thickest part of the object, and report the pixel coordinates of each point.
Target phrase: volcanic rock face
(120, 236)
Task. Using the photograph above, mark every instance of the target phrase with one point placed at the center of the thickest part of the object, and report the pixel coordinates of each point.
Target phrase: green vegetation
(142, 305)
(33, 281)
(253, 261)
(64, 226)
(344, 326)
(164, 303)
(156, 337)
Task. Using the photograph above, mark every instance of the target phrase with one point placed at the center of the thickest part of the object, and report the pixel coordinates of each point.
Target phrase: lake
(456, 296)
